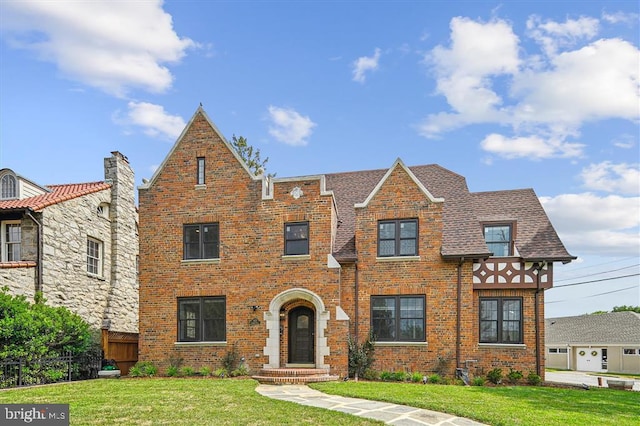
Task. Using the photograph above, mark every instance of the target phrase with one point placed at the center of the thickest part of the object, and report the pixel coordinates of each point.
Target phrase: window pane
(13, 238)
(411, 329)
(498, 239)
(200, 178)
(297, 247)
(511, 331)
(214, 320)
(192, 242)
(407, 247)
(8, 187)
(387, 248)
(384, 316)
(488, 331)
(499, 249)
(387, 231)
(488, 309)
(189, 311)
(408, 229)
(210, 242)
(511, 310)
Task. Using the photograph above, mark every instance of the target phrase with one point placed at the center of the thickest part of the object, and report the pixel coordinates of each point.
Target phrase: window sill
(398, 259)
(188, 344)
(200, 187)
(98, 277)
(199, 261)
(296, 257)
(503, 345)
(18, 264)
(400, 343)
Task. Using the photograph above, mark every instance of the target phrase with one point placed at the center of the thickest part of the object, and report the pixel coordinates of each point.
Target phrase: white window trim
(100, 244)
(3, 239)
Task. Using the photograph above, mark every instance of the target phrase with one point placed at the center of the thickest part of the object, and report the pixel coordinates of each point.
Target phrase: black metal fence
(24, 372)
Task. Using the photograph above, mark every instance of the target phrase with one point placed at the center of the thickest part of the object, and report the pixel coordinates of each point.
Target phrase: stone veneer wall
(21, 281)
(65, 280)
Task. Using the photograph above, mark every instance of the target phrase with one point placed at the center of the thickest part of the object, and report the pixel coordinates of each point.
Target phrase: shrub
(221, 372)
(187, 371)
(230, 359)
(514, 376)
(399, 376)
(477, 381)
(534, 379)
(205, 371)
(360, 355)
(370, 374)
(435, 379)
(386, 376)
(143, 369)
(416, 377)
(240, 371)
(172, 371)
(495, 376)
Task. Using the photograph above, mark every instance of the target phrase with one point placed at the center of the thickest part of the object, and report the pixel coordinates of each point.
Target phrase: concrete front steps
(293, 376)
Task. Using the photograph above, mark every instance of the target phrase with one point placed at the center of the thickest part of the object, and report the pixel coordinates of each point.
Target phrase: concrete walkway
(391, 414)
(584, 378)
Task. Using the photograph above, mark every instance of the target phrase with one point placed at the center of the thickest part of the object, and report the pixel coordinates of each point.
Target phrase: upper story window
(200, 172)
(296, 238)
(499, 238)
(11, 241)
(500, 320)
(94, 256)
(201, 241)
(398, 318)
(8, 187)
(398, 237)
(202, 319)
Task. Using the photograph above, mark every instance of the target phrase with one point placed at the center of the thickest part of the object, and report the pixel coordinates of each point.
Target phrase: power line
(596, 281)
(593, 295)
(605, 263)
(599, 273)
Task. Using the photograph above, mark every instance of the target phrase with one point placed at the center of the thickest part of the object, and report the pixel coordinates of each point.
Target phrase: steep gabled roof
(616, 328)
(536, 239)
(58, 194)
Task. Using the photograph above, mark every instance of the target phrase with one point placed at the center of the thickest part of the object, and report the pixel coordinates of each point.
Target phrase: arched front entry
(298, 299)
(301, 336)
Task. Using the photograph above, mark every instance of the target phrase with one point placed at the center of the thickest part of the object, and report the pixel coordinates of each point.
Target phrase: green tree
(624, 308)
(250, 155)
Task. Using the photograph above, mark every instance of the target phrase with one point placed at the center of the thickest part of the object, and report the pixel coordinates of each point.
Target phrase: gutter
(38, 284)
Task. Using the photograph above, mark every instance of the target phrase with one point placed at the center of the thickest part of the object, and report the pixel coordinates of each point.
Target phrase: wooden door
(301, 336)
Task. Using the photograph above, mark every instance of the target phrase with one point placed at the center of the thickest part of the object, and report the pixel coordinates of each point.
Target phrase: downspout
(38, 252)
(458, 310)
(537, 320)
(355, 301)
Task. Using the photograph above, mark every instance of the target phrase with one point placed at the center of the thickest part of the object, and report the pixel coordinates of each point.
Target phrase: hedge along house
(283, 270)
(76, 243)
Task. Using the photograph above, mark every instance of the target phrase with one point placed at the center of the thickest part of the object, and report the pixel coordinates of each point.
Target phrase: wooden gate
(121, 347)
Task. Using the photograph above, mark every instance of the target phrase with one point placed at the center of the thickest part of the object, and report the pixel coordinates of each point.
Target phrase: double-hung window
(501, 320)
(201, 241)
(398, 318)
(499, 238)
(202, 319)
(296, 238)
(94, 256)
(398, 237)
(11, 241)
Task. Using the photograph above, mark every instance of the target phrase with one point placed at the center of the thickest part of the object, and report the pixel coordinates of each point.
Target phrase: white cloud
(112, 46)
(620, 17)
(587, 223)
(532, 147)
(609, 177)
(288, 126)
(548, 98)
(365, 64)
(154, 120)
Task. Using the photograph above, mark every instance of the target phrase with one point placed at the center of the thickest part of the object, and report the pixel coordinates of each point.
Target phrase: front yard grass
(173, 401)
(504, 405)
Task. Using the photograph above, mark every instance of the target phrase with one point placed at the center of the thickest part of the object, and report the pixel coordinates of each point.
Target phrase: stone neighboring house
(76, 243)
(284, 270)
(598, 342)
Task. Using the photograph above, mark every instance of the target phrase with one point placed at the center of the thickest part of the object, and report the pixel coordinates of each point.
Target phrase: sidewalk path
(579, 378)
(391, 414)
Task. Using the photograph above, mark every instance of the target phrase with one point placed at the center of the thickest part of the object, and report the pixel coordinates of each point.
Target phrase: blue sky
(513, 94)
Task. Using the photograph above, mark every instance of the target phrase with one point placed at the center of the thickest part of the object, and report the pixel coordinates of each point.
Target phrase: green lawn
(174, 401)
(183, 401)
(505, 405)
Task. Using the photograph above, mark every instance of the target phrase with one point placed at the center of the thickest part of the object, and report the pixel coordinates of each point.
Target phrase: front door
(301, 336)
(591, 359)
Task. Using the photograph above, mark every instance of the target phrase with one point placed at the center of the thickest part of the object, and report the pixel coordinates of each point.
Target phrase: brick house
(285, 269)
(75, 243)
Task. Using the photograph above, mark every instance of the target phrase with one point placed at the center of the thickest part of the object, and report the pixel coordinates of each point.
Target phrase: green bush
(230, 359)
(187, 371)
(172, 371)
(240, 371)
(221, 372)
(534, 379)
(399, 376)
(143, 369)
(205, 371)
(435, 379)
(34, 331)
(514, 376)
(386, 376)
(477, 381)
(360, 355)
(416, 377)
(495, 376)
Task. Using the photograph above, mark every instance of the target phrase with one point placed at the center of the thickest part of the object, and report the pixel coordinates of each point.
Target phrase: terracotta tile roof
(463, 212)
(596, 329)
(58, 194)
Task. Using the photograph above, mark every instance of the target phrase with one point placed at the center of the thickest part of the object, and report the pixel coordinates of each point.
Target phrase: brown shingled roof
(463, 211)
(58, 194)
